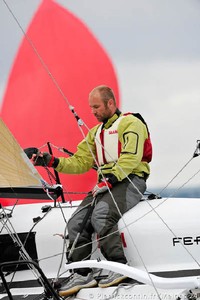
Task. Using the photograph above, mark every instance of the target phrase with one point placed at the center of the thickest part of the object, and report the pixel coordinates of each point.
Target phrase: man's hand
(43, 159)
(101, 187)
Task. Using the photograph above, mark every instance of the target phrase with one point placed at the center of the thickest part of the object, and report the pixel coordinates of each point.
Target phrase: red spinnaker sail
(33, 108)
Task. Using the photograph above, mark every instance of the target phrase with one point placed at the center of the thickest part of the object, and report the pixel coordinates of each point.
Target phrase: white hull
(165, 234)
(167, 239)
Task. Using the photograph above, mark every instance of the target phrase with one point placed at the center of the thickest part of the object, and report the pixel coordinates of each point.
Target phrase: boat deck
(128, 291)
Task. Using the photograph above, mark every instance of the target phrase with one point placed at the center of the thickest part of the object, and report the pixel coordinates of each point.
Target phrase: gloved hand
(101, 187)
(41, 159)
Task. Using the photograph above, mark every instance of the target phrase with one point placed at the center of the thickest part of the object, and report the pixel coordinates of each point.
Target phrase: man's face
(98, 107)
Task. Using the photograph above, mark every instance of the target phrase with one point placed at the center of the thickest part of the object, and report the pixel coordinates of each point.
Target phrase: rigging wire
(17, 241)
(62, 256)
(187, 163)
(22, 251)
(10, 213)
(195, 154)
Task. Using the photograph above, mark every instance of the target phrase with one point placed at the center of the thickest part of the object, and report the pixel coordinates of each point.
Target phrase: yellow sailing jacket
(131, 133)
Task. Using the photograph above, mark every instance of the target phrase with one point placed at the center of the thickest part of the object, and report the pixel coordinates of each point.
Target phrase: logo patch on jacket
(112, 132)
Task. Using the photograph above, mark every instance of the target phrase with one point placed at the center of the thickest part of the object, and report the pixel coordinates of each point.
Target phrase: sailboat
(160, 235)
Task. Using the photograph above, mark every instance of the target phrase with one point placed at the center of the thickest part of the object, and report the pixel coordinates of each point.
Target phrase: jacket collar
(107, 123)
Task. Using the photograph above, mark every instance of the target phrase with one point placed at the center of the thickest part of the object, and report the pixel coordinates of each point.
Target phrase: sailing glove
(105, 184)
(101, 187)
(45, 160)
(41, 159)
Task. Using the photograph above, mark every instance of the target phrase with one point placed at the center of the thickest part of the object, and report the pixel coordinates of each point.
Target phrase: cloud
(145, 29)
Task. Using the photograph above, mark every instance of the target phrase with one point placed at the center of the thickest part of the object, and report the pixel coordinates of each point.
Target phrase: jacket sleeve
(132, 134)
(83, 160)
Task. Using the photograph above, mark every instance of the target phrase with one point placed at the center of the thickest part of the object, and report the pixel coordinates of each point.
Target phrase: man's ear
(110, 102)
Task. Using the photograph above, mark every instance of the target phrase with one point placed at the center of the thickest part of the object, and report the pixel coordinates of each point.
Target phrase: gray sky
(155, 48)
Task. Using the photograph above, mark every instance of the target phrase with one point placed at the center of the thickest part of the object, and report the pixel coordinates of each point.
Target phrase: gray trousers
(103, 220)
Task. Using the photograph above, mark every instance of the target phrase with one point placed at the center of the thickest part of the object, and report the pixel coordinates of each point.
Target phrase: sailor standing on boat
(118, 146)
